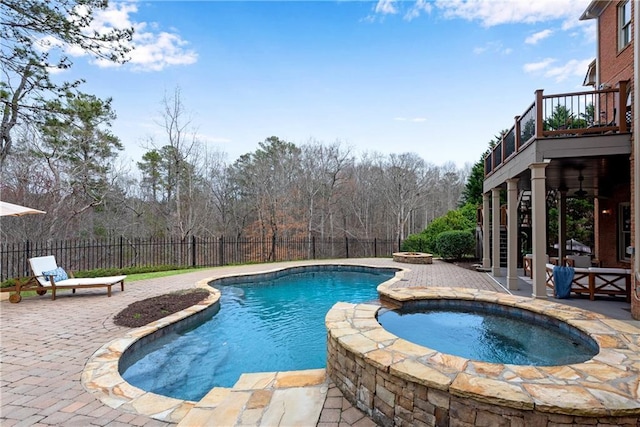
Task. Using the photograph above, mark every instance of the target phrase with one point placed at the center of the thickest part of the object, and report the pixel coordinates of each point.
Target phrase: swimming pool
(268, 322)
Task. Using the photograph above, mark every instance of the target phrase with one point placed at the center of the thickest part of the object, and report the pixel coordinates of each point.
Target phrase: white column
(512, 234)
(486, 231)
(562, 226)
(539, 228)
(495, 228)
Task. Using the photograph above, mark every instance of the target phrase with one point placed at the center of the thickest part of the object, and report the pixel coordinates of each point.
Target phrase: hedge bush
(453, 220)
(455, 244)
(415, 243)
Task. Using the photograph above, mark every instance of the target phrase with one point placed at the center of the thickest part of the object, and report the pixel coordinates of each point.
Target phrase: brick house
(578, 144)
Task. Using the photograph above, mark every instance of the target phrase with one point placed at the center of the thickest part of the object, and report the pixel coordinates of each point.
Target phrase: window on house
(624, 24)
(624, 231)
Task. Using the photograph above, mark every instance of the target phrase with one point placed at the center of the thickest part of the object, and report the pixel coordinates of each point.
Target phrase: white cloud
(152, 50)
(495, 47)
(156, 51)
(536, 37)
(572, 68)
(534, 67)
(417, 9)
(492, 12)
(546, 67)
(386, 7)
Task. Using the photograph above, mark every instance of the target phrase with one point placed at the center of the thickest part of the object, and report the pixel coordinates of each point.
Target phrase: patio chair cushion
(58, 274)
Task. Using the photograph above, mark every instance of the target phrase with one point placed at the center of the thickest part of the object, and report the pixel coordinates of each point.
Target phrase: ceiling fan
(581, 194)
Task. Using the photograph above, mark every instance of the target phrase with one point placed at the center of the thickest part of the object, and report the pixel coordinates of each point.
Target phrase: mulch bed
(151, 309)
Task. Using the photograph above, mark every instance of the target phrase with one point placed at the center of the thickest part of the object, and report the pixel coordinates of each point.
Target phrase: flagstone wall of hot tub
(399, 383)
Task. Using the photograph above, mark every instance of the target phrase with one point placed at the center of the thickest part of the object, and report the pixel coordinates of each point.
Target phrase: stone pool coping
(101, 375)
(608, 385)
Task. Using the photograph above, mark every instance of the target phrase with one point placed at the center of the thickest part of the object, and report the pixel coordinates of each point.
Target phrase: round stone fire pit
(413, 257)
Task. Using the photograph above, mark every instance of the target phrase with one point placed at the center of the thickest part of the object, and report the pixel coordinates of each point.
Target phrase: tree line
(70, 169)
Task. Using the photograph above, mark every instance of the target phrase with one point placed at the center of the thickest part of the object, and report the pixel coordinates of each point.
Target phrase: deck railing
(563, 115)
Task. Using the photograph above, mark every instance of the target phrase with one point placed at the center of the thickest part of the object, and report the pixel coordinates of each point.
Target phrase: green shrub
(8, 283)
(453, 220)
(470, 212)
(102, 272)
(415, 243)
(455, 244)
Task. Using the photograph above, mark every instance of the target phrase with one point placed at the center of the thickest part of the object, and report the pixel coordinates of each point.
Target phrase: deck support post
(539, 228)
(562, 226)
(486, 231)
(512, 234)
(495, 230)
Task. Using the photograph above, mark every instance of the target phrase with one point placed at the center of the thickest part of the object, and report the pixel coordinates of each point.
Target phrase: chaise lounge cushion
(91, 281)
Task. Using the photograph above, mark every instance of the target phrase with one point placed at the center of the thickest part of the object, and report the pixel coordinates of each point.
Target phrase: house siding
(615, 65)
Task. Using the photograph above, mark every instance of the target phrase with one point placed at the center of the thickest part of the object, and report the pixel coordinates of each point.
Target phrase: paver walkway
(45, 344)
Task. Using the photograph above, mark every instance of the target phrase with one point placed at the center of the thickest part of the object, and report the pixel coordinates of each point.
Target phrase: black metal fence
(78, 255)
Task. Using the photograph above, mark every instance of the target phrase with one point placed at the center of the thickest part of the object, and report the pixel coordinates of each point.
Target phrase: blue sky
(437, 78)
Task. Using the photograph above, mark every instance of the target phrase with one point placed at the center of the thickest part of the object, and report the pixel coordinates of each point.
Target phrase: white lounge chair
(51, 277)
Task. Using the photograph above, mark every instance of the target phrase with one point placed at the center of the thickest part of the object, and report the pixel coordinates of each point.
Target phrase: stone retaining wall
(398, 383)
(393, 401)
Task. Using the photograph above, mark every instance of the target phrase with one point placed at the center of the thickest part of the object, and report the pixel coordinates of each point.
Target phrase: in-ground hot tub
(489, 332)
(398, 382)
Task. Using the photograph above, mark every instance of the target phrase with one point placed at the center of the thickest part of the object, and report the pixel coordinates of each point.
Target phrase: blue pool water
(264, 324)
(491, 336)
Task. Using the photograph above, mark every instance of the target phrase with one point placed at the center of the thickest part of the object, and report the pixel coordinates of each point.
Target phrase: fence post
(273, 248)
(193, 251)
(313, 246)
(25, 266)
(346, 243)
(375, 247)
(399, 244)
(221, 251)
(121, 260)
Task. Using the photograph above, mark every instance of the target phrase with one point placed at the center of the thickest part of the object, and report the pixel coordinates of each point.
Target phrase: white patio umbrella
(9, 209)
(576, 246)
